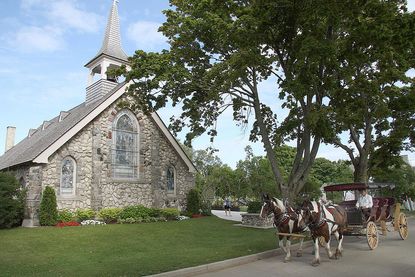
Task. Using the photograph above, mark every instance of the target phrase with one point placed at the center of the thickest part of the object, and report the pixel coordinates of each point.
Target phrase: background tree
(374, 103)
(402, 175)
(206, 163)
(12, 199)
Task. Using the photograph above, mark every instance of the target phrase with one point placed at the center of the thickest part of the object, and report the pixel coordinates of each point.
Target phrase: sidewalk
(235, 216)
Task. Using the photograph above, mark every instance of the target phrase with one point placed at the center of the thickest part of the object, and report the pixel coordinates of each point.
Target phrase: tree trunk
(361, 170)
(266, 141)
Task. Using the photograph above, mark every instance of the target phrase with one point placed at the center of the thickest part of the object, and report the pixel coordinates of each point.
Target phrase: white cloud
(32, 39)
(68, 14)
(145, 35)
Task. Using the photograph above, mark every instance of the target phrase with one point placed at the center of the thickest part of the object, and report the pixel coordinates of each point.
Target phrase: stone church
(98, 154)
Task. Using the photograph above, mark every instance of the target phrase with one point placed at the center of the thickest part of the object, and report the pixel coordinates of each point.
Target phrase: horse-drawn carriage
(384, 214)
(322, 221)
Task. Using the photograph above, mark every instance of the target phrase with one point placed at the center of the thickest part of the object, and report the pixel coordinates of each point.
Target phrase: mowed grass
(126, 250)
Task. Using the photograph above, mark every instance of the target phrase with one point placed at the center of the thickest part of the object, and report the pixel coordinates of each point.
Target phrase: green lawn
(126, 250)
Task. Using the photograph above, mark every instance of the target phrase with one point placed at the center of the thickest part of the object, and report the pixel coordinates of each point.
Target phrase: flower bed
(67, 224)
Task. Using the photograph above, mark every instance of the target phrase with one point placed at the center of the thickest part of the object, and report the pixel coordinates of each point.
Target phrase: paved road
(235, 216)
(393, 257)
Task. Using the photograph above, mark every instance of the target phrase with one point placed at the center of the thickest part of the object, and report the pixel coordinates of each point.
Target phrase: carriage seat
(349, 205)
(381, 208)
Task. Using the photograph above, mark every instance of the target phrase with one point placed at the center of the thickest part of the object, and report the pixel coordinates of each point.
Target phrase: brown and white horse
(286, 220)
(323, 221)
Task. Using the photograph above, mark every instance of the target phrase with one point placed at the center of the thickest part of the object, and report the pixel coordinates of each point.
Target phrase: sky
(44, 45)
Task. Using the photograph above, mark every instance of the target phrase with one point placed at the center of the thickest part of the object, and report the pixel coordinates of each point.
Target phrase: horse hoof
(315, 263)
(299, 254)
(333, 257)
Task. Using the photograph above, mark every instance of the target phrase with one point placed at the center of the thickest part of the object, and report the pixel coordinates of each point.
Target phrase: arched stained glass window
(68, 176)
(125, 146)
(170, 179)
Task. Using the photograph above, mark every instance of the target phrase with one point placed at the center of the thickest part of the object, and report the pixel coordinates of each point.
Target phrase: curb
(191, 271)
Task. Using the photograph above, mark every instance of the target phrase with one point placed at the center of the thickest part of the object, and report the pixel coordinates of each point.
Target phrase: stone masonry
(91, 148)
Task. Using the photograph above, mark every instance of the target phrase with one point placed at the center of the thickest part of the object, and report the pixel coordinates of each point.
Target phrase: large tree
(220, 51)
(374, 104)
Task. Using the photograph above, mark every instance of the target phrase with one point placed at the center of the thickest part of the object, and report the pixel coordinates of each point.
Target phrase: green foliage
(375, 101)
(138, 211)
(12, 199)
(403, 176)
(339, 66)
(193, 201)
(169, 213)
(84, 214)
(48, 213)
(254, 207)
(65, 215)
(114, 249)
(109, 215)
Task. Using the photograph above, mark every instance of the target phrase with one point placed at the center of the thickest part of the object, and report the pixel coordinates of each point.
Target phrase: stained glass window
(125, 148)
(68, 174)
(170, 179)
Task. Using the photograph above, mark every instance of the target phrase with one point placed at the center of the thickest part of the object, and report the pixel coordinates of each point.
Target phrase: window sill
(68, 198)
(129, 181)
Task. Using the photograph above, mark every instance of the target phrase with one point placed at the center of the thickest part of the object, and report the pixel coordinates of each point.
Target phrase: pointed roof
(43, 143)
(111, 46)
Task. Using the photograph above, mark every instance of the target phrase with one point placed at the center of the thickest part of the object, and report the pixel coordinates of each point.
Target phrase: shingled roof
(44, 142)
(32, 146)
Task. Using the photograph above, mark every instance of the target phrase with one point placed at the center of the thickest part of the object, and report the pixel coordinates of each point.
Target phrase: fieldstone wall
(255, 220)
(95, 186)
(30, 177)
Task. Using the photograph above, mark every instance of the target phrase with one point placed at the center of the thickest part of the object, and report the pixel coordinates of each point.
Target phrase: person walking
(227, 206)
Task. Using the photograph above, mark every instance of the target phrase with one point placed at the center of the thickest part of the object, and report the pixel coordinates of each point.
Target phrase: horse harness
(321, 222)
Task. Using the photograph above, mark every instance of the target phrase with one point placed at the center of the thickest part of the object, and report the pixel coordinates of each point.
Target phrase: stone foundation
(254, 220)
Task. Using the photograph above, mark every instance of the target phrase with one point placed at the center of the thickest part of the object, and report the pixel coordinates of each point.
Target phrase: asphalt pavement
(392, 257)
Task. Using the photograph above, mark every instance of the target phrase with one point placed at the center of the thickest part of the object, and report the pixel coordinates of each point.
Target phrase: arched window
(125, 145)
(68, 177)
(171, 179)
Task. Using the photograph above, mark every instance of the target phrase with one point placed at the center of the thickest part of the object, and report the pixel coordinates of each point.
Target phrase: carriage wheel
(403, 226)
(372, 235)
(322, 241)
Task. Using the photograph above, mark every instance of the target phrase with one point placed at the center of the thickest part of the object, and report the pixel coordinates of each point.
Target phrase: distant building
(98, 154)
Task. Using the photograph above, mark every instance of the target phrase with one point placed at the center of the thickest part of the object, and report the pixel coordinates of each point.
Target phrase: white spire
(111, 45)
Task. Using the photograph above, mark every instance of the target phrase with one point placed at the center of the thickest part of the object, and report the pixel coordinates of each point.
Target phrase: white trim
(43, 158)
(173, 142)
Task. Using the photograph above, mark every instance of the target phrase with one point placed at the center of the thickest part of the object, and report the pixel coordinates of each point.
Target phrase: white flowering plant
(92, 222)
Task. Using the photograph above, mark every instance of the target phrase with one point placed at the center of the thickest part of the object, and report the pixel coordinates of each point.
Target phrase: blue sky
(45, 43)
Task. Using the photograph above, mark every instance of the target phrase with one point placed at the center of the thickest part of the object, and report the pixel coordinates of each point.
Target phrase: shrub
(138, 211)
(169, 213)
(12, 199)
(109, 215)
(65, 215)
(206, 208)
(254, 207)
(85, 214)
(48, 213)
(193, 201)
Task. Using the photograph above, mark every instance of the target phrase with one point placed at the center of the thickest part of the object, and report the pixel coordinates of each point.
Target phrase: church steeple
(111, 55)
